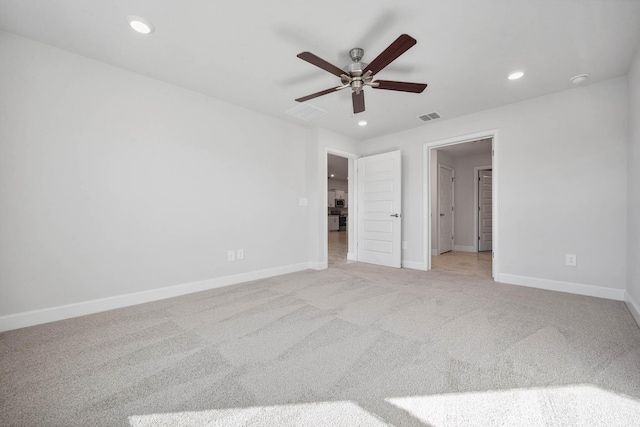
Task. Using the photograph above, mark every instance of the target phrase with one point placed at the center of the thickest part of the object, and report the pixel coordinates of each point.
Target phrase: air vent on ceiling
(306, 112)
(429, 116)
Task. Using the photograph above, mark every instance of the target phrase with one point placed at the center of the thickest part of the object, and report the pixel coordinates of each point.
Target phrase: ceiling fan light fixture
(140, 25)
(516, 75)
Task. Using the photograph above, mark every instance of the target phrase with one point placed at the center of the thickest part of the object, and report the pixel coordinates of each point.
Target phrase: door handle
(441, 214)
(395, 215)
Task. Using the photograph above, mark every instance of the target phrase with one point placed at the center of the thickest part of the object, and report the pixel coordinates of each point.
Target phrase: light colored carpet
(355, 345)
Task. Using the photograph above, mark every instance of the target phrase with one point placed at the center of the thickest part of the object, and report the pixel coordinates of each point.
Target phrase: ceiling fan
(358, 74)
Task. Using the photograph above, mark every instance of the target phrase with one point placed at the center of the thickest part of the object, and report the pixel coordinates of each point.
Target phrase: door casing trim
(426, 193)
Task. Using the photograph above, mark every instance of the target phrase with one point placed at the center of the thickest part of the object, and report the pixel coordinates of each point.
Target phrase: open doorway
(337, 209)
(461, 207)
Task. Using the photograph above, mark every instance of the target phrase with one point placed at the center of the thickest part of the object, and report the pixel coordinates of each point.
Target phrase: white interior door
(445, 205)
(485, 213)
(379, 203)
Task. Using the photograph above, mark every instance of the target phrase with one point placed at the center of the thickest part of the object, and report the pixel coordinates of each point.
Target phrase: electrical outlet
(572, 260)
(404, 245)
(231, 255)
(240, 254)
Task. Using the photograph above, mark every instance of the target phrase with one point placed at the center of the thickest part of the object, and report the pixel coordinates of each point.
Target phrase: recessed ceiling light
(516, 75)
(140, 25)
(332, 175)
(362, 122)
(580, 78)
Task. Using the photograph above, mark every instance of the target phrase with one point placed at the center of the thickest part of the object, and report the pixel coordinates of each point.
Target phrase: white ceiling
(244, 52)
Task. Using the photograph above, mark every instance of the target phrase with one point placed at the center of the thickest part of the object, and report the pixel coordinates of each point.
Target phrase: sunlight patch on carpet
(575, 405)
(339, 414)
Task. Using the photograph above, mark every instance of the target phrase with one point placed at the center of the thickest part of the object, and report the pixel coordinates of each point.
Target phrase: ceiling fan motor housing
(355, 68)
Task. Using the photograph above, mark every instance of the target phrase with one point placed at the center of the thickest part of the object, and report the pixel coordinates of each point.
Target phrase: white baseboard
(352, 256)
(633, 306)
(464, 248)
(414, 265)
(569, 287)
(52, 314)
(318, 265)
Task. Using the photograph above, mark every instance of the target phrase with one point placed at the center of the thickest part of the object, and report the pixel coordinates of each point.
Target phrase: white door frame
(476, 205)
(426, 179)
(352, 201)
(438, 207)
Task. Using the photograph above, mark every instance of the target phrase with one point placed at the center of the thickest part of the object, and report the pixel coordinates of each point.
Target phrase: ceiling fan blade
(319, 62)
(358, 102)
(322, 92)
(399, 86)
(395, 49)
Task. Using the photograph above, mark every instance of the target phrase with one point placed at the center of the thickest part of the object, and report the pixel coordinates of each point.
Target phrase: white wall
(113, 183)
(633, 191)
(465, 183)
(562, 185)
